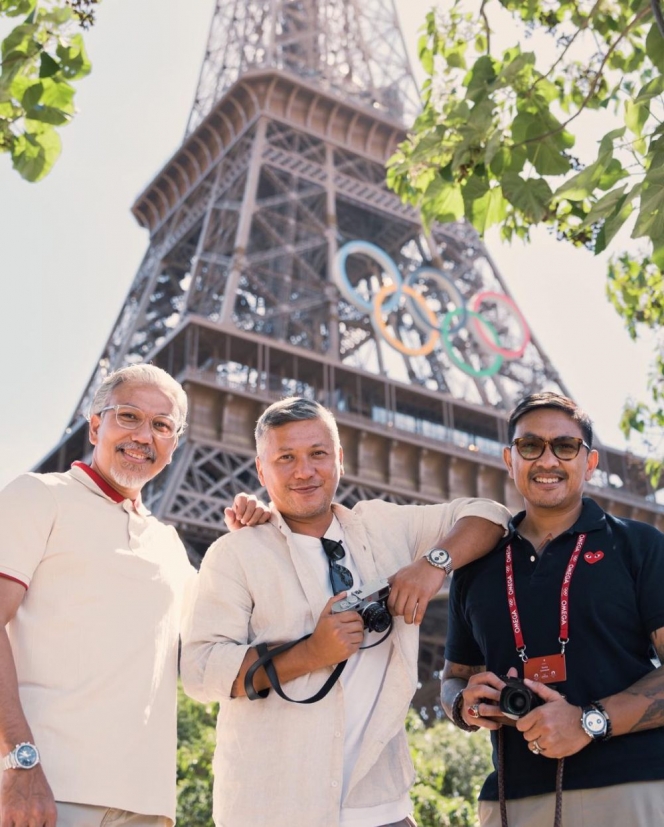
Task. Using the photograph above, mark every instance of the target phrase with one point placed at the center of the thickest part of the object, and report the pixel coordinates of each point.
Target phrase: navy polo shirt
(616, 599)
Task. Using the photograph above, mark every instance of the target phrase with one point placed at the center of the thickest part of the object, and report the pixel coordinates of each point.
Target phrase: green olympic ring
(497, 363)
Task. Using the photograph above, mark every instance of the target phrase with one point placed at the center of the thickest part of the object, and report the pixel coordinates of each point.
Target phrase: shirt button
(335, 784)
(337, 735)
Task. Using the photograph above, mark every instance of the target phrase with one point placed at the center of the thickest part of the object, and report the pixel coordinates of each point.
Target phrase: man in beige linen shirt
(90, 596)
(343, 760)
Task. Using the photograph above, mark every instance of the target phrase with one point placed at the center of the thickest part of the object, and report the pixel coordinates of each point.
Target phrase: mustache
(145, 450)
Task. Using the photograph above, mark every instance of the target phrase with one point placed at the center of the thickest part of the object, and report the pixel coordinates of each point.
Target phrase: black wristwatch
(440, 559)
(595, 722)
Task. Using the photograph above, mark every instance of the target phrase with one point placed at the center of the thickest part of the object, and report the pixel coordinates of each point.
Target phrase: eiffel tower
(280, 263)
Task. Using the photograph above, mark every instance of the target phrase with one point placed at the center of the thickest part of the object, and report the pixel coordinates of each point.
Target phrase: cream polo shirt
(280, 763)
(95, 638)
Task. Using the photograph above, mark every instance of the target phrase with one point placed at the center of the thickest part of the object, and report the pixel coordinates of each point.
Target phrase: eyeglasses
(340, 578)
(563, 447)
(131, 418)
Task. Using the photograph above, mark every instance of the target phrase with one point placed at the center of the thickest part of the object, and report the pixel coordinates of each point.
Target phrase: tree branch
(656, 7)
(581, 28)
(593, 85)
(487, 28)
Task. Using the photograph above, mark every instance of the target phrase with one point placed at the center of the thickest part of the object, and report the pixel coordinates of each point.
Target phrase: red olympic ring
(478, 328)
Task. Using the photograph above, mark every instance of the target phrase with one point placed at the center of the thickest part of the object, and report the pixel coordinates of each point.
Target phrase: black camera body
(370, 601)
(516, 700)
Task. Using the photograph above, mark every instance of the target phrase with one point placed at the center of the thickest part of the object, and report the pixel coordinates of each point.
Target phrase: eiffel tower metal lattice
(247, 291)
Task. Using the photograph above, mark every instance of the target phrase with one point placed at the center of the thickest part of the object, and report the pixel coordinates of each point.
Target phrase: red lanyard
(563, 639)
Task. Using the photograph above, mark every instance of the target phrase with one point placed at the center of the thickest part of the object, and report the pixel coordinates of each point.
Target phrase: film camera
(370, 601)
(516, 700)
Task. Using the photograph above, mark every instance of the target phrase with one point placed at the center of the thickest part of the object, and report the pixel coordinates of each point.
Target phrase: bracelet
(609, 727)
(457, 718)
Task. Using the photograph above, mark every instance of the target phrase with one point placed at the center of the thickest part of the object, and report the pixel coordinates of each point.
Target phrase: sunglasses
(562, 447)
(340, 578)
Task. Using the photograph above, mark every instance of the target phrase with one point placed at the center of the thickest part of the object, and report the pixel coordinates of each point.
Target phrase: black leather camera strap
(264, 660)
(558, 816)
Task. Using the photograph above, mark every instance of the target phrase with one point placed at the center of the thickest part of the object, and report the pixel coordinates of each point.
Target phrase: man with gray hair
(90, 595)
(342, 760)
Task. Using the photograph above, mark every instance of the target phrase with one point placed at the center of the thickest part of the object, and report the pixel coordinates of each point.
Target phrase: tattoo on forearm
(651, 687)
(454, 678)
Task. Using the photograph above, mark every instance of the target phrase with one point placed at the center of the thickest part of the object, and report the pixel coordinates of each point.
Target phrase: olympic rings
(443, 326)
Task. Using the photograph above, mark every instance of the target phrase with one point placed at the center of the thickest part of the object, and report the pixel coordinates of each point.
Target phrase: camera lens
(518, 702)
(376, 617)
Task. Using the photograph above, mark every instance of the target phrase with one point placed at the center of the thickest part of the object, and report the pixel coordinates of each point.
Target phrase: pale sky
(70, 247)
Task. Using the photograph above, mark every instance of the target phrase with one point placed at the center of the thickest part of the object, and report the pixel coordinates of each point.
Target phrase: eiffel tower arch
(280, 263)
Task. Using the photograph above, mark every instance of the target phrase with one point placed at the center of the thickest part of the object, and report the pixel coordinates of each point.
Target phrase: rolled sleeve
(215, 633)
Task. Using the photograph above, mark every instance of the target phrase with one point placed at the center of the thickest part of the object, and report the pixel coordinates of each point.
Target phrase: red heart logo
(593, 556)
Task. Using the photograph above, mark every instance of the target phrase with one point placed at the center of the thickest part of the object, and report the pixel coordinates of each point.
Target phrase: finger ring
(474, 711)
(535, 747)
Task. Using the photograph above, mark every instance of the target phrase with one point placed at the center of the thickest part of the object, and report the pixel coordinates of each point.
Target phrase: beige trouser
(639, 804)
(85, 815)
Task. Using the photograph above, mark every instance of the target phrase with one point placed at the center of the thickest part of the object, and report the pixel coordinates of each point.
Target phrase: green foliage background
(40, 59)
(450, 765)
(495, 142)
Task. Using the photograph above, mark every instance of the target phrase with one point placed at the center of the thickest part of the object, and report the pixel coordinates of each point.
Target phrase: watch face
(439, 556)
(26, 756)
(595, 723)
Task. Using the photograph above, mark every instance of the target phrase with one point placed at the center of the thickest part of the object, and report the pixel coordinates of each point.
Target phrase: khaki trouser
(86, 815)
(639, 804)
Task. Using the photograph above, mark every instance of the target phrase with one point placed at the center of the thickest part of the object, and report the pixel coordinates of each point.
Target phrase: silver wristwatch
(594, 723)
(440, 558)
(24, 756)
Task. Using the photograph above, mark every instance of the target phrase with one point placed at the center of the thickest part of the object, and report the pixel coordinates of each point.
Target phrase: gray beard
(127, 479)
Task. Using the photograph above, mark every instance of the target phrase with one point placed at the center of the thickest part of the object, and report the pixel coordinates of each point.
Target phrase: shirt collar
(101, 486)
(591, 518)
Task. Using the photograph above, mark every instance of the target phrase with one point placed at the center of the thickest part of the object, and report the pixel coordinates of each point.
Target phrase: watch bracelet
(457, 718)
(599, 706)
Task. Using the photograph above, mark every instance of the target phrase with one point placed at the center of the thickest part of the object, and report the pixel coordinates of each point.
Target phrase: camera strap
(558, 816)
(264, 660)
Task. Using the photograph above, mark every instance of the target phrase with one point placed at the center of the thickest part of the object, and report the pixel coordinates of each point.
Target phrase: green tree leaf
(39, 58)
(35, 151)
(532, 197)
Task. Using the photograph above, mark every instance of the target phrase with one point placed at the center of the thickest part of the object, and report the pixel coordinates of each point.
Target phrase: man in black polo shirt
(572, 601)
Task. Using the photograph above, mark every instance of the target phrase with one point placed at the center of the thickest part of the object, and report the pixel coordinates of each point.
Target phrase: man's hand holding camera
(480, 704)
(337, 635)
(554, 726)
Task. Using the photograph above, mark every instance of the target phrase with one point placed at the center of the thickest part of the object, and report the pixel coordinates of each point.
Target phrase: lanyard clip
(521, 651)
(563, 644)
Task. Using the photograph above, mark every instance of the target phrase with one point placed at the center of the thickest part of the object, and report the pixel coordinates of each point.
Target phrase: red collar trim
(114, 495)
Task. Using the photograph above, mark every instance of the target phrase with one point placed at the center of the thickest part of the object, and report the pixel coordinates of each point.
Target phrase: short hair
(141, 375)
(294, 409)
(553, 401)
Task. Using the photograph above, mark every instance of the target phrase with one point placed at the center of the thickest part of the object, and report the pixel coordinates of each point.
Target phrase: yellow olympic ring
(381, 325)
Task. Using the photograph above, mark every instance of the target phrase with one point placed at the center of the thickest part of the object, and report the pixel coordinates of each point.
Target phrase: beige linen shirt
(95, 638)
(280, 763)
